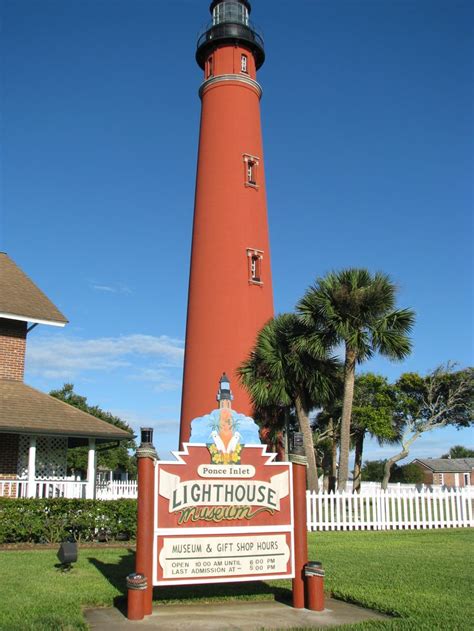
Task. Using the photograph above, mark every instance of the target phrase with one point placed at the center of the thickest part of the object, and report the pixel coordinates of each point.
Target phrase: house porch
(35, 465)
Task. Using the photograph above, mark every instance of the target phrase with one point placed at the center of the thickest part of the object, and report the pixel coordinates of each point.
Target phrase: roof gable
(21, 299)
(447, 465)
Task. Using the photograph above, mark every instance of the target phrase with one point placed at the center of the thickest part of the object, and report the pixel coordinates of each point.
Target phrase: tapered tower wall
(230, 289)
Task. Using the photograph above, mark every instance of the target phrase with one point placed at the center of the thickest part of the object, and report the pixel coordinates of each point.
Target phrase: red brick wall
(8, 455)
(449, 479)
(444, 479)
(12, 349)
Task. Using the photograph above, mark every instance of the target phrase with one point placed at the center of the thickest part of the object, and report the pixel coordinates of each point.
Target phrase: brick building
(447, 472)
(36, 430)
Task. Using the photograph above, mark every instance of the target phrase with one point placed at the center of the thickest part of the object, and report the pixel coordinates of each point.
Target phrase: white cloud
(159, 377)
(60, 356)
(137, 420)
(116, 288)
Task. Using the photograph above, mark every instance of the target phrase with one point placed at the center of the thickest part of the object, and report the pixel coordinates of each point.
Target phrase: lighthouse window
(251, 170)
(255, 258)
(244, 63)
(210, 67)
(254, 272)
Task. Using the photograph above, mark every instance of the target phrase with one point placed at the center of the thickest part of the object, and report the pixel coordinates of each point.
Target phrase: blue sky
(368, 128)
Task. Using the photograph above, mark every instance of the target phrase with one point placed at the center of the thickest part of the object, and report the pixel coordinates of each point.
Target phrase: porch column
(90, 493)
(32, 467)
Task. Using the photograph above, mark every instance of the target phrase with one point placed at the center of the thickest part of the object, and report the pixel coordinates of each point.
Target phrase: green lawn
(422, 577)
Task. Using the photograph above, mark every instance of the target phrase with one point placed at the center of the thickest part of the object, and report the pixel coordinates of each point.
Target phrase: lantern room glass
(234, 12)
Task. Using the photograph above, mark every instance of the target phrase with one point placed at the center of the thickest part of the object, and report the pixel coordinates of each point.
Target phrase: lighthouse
(230, 287)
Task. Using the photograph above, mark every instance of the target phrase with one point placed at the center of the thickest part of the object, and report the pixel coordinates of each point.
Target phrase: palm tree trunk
(280, 447)
(287, 431)
(349, 378)
(305, 428)
(359, 446)
(326, 466)
(333, 474)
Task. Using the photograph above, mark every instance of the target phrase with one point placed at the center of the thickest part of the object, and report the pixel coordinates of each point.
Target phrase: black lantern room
(230, 24)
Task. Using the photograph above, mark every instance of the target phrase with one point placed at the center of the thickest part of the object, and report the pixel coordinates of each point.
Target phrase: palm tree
(273, 420)
(355, 309)
(277, 373)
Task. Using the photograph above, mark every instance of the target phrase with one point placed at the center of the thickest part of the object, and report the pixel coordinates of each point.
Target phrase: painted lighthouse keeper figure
(224, 430)
(226, 445)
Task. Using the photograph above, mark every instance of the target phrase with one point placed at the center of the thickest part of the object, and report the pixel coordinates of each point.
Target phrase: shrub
(52, 520)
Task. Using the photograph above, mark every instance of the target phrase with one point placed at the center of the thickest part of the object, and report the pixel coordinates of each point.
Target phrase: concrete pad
(237, 615)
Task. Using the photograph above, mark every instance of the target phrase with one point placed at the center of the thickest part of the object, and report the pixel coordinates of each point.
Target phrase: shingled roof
(21, 299)
(26, 410)
(447, 465)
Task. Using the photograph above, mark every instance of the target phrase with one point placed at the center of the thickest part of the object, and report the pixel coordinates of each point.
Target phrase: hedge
(53, 520)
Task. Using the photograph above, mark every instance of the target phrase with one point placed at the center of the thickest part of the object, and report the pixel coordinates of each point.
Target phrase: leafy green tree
(278, 373)
(459, 451)
(444, 397)
(356, 309)
(373, 413)
(372, 470)
(408, 474)
(110, 456)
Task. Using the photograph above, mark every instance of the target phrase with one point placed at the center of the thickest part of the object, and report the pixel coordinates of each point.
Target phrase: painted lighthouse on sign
(224, 430)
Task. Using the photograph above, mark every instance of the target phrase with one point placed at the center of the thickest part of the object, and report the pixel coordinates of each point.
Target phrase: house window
(467, 479)
(210, 67)
(244, 63)
(251, 170)
(441, 479)
(254, 259)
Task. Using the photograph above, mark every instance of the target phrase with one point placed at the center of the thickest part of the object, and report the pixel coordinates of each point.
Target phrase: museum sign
(231, 521)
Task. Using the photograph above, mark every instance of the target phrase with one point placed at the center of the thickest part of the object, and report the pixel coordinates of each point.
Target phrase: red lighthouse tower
(230, 289)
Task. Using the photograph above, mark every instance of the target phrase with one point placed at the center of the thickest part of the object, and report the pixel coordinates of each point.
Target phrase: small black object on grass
(67, 555)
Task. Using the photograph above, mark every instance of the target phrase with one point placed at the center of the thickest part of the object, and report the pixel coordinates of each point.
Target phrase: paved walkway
(239, 616)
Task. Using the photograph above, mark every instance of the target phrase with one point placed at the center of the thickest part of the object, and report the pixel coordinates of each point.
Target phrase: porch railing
(110, 490)
(43, 488)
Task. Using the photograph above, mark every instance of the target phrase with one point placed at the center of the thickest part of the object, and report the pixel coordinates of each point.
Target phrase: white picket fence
(372, 509)
(116, 489)
(390, 510)
(370, 487)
